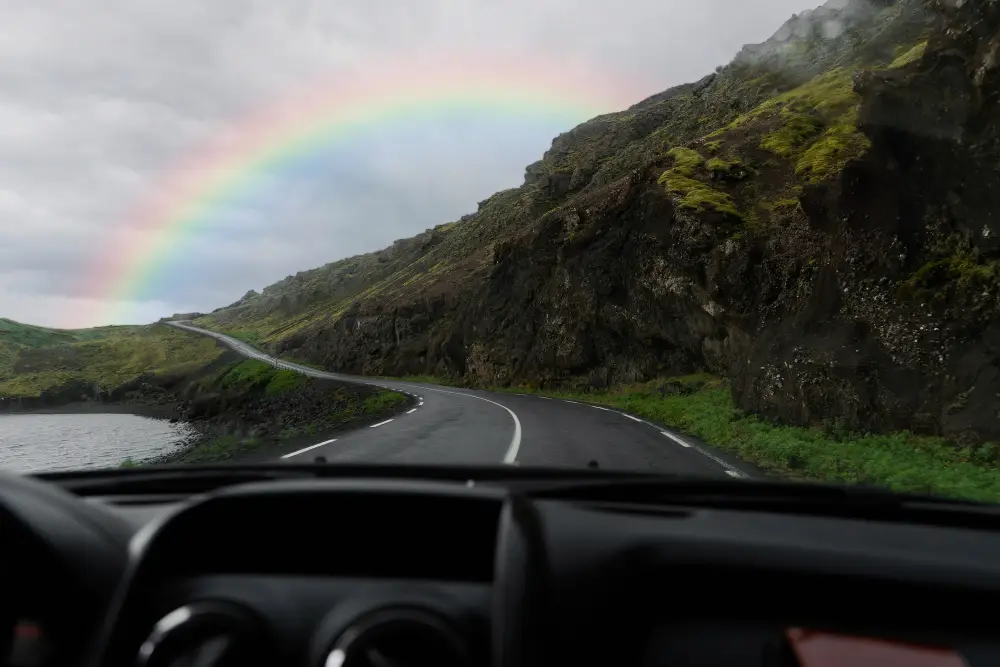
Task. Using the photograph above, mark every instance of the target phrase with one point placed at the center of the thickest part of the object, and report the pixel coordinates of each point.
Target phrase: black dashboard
(469, 569)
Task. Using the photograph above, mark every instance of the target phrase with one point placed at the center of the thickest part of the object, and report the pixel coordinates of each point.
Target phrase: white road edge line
(679, 441)
(303, 451)
(515, 441)
(381, 423)
(410, 412)
(635, 419)
(731, 470)
(600, 408)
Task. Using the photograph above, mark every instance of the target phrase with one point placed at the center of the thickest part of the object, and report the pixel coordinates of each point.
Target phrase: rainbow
(187, 195)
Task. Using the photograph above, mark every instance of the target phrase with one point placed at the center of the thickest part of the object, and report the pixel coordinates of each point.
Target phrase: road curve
(448, 425)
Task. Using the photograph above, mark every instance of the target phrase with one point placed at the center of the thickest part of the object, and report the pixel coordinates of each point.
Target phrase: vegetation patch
(702, 405)
(253, 375)
(817, 126)
(909, 56)
(383, 401)
(690, 193)
(221, 448)
(959, 271)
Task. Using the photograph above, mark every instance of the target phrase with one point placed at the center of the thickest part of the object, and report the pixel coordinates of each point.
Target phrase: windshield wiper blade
(168, 481)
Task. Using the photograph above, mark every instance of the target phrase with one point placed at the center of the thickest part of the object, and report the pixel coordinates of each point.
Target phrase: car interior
(343, 566)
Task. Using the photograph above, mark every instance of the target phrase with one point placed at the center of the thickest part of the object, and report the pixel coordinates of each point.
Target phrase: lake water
(33, 443)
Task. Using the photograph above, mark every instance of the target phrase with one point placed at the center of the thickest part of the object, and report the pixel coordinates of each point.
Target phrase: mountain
(814, 222)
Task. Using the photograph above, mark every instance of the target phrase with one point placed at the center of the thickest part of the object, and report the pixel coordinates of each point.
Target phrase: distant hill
(814, 222)
(85, 363)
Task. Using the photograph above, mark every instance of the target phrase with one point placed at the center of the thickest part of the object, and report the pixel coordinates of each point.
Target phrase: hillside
(812, 222)
(60, 365)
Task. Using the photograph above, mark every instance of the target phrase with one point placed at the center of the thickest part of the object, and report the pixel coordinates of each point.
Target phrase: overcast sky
(101, 101)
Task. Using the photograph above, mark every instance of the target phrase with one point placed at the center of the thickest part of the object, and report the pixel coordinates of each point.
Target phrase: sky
(101, 108)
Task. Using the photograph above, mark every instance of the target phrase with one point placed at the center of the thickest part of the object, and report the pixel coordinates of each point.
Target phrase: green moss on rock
(960, 271)
(686, 160)
(828, 155)
(799, 126)
(690, 193)
(909, 56)
(817, 126)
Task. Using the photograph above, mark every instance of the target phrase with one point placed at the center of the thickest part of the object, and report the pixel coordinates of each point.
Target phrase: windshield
(712, 239)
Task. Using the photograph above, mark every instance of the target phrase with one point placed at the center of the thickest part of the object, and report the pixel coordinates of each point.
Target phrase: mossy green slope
(38, 359)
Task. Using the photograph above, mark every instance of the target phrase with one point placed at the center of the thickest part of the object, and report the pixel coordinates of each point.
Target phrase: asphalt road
(468, 426)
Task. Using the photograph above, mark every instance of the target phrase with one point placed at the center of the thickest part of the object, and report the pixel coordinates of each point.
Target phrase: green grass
(106, 358)
(382, 402)
(702, 406)
(252, 375)
(222, 448)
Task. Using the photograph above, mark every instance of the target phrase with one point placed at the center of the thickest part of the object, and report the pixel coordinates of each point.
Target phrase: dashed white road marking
(410, 412)
(734, 473)
(600, 408)
(678, 440)
(544, 397)
(635, 419)
(303, 451)
(381, 423)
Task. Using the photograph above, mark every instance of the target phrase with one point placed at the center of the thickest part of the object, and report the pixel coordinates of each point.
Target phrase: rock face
(815, 222)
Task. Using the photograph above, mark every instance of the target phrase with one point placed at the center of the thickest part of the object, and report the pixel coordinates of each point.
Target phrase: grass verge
(702, 405)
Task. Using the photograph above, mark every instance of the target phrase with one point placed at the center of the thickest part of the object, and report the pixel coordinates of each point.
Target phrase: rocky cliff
(815, 221)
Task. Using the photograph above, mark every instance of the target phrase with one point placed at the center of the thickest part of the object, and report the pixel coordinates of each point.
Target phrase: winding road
(468, 426)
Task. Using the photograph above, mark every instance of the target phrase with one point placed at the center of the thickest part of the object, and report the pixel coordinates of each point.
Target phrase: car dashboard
(396, 571)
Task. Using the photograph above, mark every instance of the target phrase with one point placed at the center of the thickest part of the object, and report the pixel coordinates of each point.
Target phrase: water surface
(33, 443)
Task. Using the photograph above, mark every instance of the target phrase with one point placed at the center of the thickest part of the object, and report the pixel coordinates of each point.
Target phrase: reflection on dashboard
(30, 645)
(760, 643)
(812, 648)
